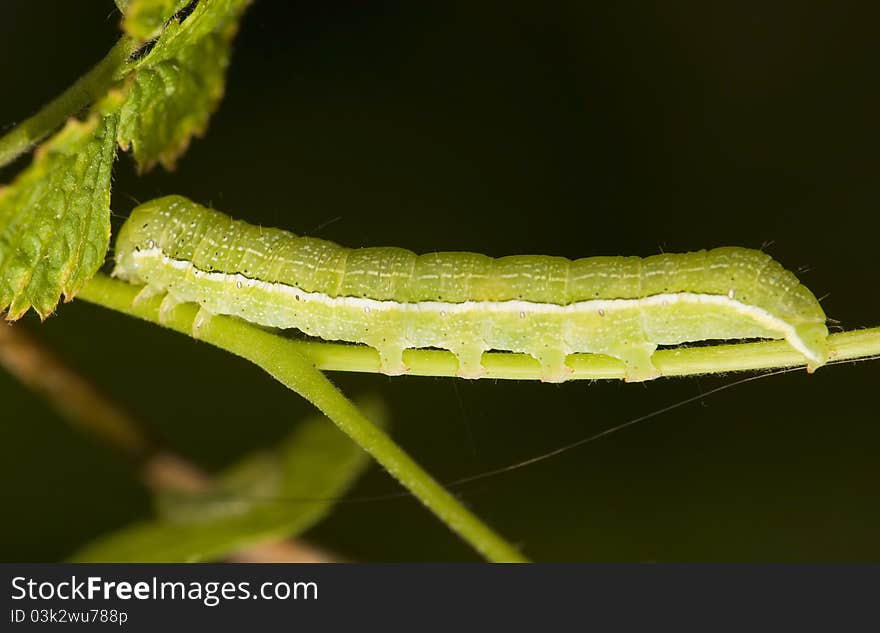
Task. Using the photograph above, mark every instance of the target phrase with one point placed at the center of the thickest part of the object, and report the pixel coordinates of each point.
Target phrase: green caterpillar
(392, 299)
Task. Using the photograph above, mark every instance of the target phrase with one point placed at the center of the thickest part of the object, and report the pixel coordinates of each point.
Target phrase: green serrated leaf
(268, 496)
(144, 18)
(55, 216)
(179, 83)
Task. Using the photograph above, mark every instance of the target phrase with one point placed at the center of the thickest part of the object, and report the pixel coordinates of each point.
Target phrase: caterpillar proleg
(392, 299)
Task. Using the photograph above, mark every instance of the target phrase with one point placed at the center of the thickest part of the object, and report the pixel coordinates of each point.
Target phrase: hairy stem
(285, 361)
(91, 86)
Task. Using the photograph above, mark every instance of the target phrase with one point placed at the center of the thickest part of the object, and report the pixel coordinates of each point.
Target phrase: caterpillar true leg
(169, 303)
(146, 293)
(203, 316)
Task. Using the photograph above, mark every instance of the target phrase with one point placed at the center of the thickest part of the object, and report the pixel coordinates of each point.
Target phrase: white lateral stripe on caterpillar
(759, 315)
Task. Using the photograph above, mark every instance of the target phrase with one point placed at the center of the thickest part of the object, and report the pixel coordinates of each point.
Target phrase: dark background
(517, 127)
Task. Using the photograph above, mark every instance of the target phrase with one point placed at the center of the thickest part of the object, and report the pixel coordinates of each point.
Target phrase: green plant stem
(284, 360)
(688, 361)
(84, 91)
